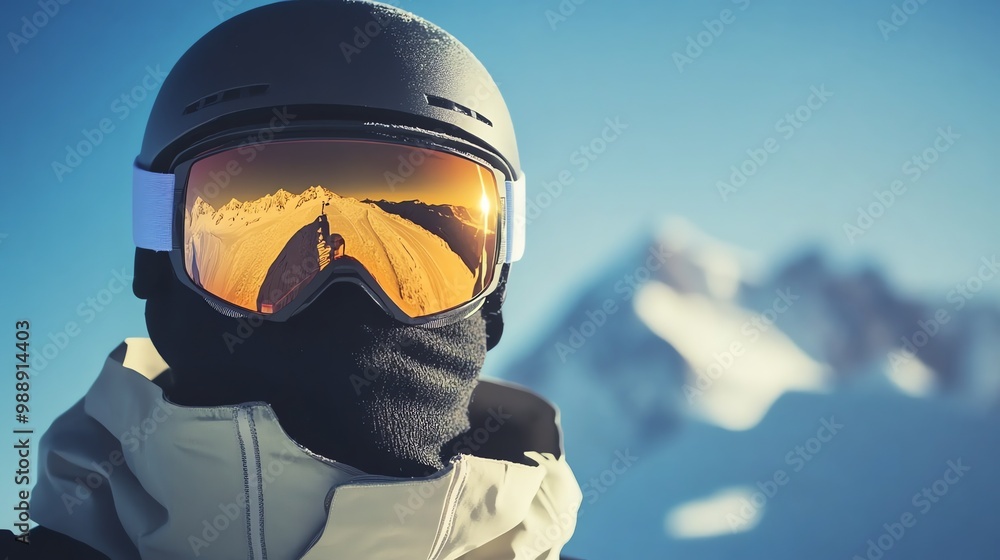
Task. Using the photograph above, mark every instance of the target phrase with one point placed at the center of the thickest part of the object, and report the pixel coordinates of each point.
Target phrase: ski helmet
(332, 60)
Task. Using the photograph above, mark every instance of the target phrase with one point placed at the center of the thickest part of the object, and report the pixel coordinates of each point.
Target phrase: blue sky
(64, 239)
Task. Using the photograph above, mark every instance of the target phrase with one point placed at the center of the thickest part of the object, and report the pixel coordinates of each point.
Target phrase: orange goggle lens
(262, 222)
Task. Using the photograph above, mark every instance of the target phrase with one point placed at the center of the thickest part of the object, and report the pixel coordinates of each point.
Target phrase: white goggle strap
(152, 209)
(516, 215)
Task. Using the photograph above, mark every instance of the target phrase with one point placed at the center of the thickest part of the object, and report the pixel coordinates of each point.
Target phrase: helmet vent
(443, 103)
(226, 95)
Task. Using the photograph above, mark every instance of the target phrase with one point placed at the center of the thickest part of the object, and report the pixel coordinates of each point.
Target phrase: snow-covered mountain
(467, 236)
(714, 374)
(247, 210)
(857, 323)
(685, 304)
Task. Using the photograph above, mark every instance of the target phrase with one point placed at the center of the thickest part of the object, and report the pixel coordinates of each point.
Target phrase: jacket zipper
(450, 506)
(252, 481)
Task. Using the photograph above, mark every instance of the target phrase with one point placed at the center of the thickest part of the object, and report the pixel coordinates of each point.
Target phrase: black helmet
(322, 60)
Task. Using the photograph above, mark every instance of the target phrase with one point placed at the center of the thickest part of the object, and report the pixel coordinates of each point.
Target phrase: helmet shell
(327, 59)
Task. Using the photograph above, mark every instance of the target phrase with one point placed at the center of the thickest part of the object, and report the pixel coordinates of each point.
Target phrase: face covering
(345, 380)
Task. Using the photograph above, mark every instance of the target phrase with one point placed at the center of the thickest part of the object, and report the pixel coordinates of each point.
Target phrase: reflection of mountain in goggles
(266, 228)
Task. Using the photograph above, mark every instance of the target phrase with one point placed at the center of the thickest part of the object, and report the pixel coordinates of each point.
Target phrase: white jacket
(136, 476)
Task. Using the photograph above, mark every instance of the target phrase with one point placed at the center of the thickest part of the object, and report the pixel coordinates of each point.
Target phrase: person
(352, 422)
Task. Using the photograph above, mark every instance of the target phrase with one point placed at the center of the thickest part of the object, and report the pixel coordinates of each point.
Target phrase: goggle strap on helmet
(152, 209)
(516, 215)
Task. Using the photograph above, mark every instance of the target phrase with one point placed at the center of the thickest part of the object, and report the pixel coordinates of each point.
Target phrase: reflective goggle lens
(261, 222)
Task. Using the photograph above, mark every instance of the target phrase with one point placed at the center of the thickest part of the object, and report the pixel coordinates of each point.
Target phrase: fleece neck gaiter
(344, 379)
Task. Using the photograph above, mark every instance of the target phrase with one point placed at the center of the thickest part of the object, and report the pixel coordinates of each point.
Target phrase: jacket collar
(135, 476)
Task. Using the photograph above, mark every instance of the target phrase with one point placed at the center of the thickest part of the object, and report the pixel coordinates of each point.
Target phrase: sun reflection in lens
(484, 204)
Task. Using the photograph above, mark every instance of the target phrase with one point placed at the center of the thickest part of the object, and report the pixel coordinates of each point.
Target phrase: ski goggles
(262, 228)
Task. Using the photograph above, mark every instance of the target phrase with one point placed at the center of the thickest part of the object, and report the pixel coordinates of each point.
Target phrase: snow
(730, 389)
(706, 517)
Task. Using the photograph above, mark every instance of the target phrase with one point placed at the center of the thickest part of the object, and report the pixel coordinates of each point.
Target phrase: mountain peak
(233, 204)
(693, 261)
(201, 208)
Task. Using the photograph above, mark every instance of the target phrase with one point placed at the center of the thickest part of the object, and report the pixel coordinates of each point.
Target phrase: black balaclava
(345, 379)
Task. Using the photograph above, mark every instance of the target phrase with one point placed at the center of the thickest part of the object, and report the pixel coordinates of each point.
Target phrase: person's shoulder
(41, 543)
(44, 544)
